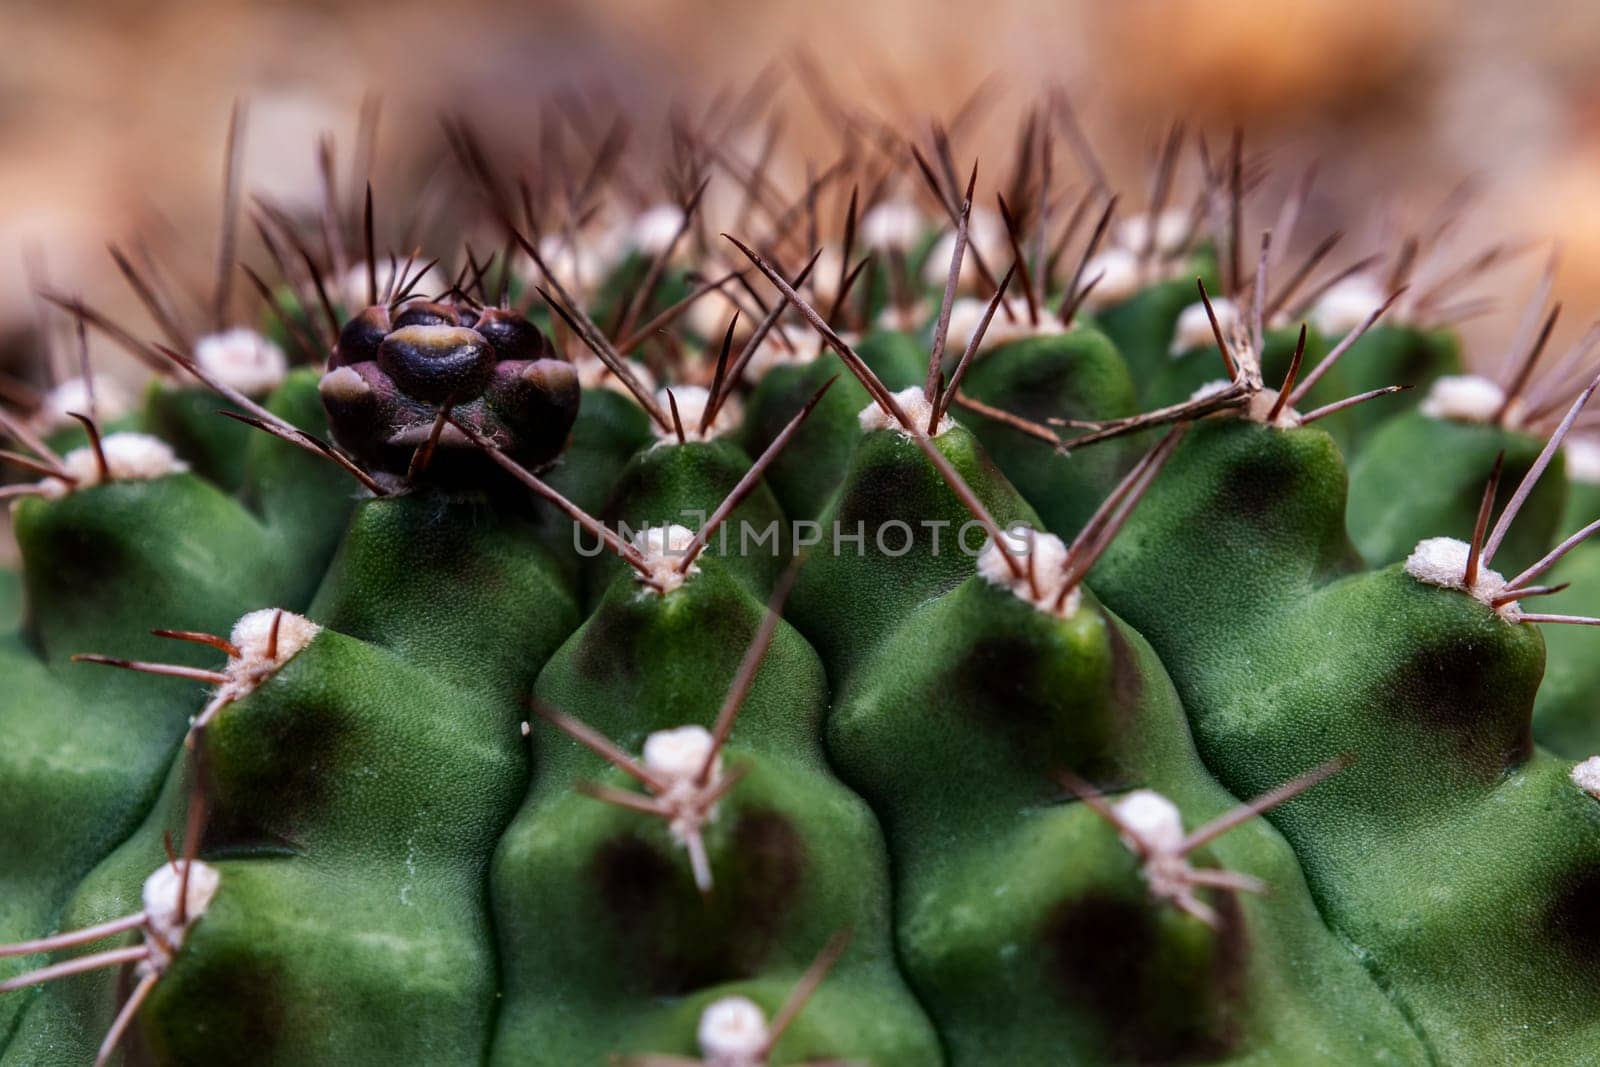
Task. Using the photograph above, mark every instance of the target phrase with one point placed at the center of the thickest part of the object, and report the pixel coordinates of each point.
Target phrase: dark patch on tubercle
(1104, 953)
(267, 804)
(1451, 688)
(1572, 918)
(674, 940)
(229, 1004)
(605, 651)
(1127, 683)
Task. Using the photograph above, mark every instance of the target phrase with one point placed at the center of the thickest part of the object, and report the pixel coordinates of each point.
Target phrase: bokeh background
(112, 115)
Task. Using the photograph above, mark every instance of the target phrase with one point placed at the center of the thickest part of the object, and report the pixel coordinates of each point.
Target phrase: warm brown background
(111, 112)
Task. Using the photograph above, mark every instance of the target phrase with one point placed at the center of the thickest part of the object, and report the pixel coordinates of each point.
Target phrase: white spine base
(967, 312)
(733, 1033)
(1044, 555)
(914, 403)
(130, 457)
(111, 401)
(1194, 325)
(691, 401)
(1442, 561)
(1586, 776)
(1466, 398)
(242, 359)
(1346, 305)
(252, 636)
(663, 548)
(892, 226)
(160, 894)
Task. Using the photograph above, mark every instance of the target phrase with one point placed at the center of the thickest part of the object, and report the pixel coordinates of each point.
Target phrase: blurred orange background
(112, 116)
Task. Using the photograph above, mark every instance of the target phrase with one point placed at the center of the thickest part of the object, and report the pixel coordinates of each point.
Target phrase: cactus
(655, 649)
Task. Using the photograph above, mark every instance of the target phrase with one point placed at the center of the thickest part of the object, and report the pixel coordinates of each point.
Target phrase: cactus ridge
(891, 632)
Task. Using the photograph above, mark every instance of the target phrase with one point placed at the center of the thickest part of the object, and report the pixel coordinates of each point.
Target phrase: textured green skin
(384, 899)
(1075, 375)
(186, 419)
(1453, 856)
(1424, 477)
(1141, 327)
(1024, 921)
(608, 945)
(1566, 714)
(1187, 371)
(807, 473)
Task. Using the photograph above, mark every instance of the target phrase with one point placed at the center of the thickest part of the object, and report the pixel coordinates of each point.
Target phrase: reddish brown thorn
(1113, 513)
(194, 674)
(592, 339)
(1272, 798)
(1234, 396)
(750, 479)
(272, 635)
(124, 1018)
(677, 421)
(941, 330)
(749, 666)
(1075, 294)
(73, 938)
(1551, 558)
(36, 466)
(152, 301)
(116, 957)
(172, 853)
(1216, 331)
(1527, 593)
(1019, 260)
(1288, 379)
(95, 444)
(658, 264)
(671, 314)
(1277, 302)
(718, 377)
(1007, 418)
(1258, 295)
(1535, 472)
(868, 379)
(1349, 402)
(969, 500)
(1161, 187)
(1569, 620)
(626, 552)
(600, 745)
(423, 455)
(805, 989)
(769, 320)
(372, 253)
(1469, 578)
(221, 644)
(1519, 380)
(942, 404)
(315, 445)
(1342, 347)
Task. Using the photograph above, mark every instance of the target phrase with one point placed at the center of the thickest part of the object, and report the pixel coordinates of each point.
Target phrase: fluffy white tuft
(130, 457)
(243, 359)
(914, 403)
(1346, 305)
(161, 891)
(1119, 274)
(985, 232)
(1582, 455)
(967, 312)
(111, 400)
(908, 319)
(1194, 325)
(733, 1033)
(678, 754)
(663, 548)
(1042, 554)
(1153, 822)
(652, 231)
(1442, 561)
(692, 401)
(1463, 398)
(1586, 776)
(892, 226)
(771, 352)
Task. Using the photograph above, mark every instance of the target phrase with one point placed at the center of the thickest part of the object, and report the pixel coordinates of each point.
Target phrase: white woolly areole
(692, 401)
(678, 754)
(160, 894)
(583, 266)
(1442, 561)
(110, 402)
(1582, 456)
(771, 352)
(594, 374)
(914, 403)
(893, 225)
(1119, 274)
(985, 232)
(1346, 304)
(243, 359)
(652, 231)
(130, 457)
(709, 316)
(1463, 398)
(1153, 822)
(1586, 776)
(1172, 228)
(733, 1033)
(1194, 325)
(1210, 389)
(967, 312)
(663, 548)
(1044, 555)
(252, 636)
